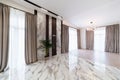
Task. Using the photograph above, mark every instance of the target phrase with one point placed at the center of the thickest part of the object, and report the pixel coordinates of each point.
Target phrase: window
(17, 43)
(72, 39)
(99, 39)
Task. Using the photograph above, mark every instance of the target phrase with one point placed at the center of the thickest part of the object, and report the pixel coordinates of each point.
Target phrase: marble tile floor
(101, 57)
(63, 67)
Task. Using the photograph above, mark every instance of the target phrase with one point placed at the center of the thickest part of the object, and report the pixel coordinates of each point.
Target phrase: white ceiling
(82, 12)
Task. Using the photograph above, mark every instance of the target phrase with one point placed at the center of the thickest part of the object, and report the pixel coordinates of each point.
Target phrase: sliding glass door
(17, 43)
(72, 39)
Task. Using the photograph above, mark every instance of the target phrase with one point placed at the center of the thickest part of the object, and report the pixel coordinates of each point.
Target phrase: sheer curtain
(73, 39)
(99, 38)
(17, 44)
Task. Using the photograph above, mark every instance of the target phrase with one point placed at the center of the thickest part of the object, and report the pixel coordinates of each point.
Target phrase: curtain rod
(17, 8)
(35, 11)
(30, 2)
(73, 27)
(70, 26)
(107, 25)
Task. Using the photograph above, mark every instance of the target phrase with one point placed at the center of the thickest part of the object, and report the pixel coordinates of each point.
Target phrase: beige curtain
(119, 39)
(112, 39)
(31, 46)
(4, 35)
(65, 39)
(78, 39)
(89, 40)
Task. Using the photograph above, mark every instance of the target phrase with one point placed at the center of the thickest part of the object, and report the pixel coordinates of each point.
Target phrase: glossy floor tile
(112, 59)
(63, 67)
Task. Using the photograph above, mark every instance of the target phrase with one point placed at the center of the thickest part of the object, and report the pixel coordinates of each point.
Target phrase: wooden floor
(105, 58)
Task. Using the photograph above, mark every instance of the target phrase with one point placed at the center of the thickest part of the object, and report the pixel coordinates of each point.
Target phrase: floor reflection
(63, 67)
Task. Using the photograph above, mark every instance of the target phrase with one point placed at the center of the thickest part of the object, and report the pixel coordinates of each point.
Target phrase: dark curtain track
(54, 24)
(47, 28)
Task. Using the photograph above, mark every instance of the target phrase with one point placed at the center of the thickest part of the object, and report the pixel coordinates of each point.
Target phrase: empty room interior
(59, 39)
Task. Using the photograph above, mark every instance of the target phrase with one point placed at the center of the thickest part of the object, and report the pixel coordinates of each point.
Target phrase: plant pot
(46, 56)
(47, 53)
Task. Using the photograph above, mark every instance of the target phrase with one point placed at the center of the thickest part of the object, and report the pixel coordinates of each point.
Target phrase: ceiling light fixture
(91, 22)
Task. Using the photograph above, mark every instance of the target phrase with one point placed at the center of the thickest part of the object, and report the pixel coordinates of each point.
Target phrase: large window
(72, 39)
(17, 43)
(99, 39)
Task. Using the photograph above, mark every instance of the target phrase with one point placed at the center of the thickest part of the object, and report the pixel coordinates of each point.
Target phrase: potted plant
(45, 45)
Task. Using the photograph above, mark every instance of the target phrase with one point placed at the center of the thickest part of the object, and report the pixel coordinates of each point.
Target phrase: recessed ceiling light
(91, 22)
